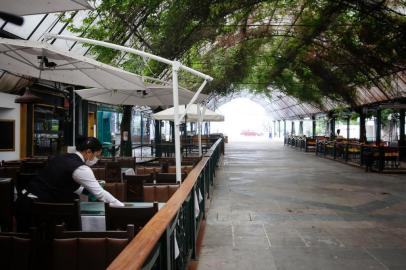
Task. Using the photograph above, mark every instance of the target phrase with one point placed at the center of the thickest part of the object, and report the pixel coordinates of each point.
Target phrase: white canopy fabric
(30, 7)
(192, 115)
(42, 60)
(153, 95)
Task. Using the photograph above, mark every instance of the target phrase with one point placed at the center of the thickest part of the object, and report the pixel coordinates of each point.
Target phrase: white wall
(10, 111)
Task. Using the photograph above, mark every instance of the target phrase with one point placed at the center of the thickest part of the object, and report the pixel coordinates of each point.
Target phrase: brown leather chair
(117, 218)
(133, 186)
(126, 162)
(88, 250)
(17, 251)
(6, 202)
(158, 192)
(184, 169)
(45, 216)
(167, 178)
(99, 173)
(118, 190)
(113, 172)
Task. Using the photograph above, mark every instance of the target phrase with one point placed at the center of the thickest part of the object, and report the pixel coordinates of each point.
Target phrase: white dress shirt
(84, 176)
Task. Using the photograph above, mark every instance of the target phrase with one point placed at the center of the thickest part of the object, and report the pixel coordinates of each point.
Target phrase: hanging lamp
(28, 98)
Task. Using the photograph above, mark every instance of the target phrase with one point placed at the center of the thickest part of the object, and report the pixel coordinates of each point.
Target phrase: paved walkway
(277, 208)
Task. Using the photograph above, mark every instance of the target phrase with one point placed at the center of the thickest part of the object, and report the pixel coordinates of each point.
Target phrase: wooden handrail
(137, 251)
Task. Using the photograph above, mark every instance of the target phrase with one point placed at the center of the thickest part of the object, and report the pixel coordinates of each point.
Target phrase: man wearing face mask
(63, 179)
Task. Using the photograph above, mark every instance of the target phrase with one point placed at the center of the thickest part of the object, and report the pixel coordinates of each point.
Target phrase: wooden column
(313, 126)
(348, 127)
(284, 128)
(402, 133)
(158, 139)
(378, 126)
(279, 128)
(301, 127)
(333, 127)
(362, 129)
(402, 127)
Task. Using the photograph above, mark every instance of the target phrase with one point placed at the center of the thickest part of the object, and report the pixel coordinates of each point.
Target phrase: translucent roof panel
(23, 31)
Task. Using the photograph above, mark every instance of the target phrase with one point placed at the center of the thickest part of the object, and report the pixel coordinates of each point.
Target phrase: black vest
(55, 183)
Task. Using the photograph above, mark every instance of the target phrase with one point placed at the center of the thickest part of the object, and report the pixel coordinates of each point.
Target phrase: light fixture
(28, 98)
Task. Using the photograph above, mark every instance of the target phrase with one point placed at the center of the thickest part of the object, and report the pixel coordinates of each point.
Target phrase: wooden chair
(113, 172)
(117, 218)
(18, 251)
(133, 186)
(6, 203)
(32, 166)
(99, 173)
(167, 178)
(45, 216)
(118, 190)
(126, 162)
(158, 192)
(88, 250)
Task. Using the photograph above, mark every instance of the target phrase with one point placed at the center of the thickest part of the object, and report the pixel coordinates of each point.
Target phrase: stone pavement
(274, 207)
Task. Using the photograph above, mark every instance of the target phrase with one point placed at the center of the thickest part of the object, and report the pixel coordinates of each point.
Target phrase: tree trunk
(125, 129)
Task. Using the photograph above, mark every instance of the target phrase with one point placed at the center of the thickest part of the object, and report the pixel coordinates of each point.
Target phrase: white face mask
(92, 162)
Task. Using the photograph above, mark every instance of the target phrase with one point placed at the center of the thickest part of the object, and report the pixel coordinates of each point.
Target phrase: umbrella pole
(74, 116)
(175, 69)
(199, 127)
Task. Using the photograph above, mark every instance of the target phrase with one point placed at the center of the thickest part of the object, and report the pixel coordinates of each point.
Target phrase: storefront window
(48, 130)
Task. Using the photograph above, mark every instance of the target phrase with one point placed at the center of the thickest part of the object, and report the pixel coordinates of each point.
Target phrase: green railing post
(193, 223)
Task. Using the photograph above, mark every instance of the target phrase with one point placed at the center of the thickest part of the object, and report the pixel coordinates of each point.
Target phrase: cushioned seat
(17, 251)
(158, 192)
(88, 250)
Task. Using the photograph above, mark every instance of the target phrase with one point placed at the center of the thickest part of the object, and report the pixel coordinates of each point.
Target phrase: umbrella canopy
(29, 7)
(153, 95)
(192, 114)
(42, 60)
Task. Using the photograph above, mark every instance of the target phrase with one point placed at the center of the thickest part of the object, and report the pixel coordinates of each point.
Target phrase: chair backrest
(118, 190)
(126, 162)
(120, 217)
(148, 170)
(99, 173)
(133, 186)
(88, 250)
(167, 178)
(184, 169)
(17, 251)
(45, 216)
(6, 202)
(113, 172)
(158, 192)
(32, 166)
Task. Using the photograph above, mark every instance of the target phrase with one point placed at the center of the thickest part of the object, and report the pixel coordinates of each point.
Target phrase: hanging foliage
(306, 49)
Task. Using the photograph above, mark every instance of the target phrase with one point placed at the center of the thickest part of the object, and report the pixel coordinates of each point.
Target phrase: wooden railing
(153, 246)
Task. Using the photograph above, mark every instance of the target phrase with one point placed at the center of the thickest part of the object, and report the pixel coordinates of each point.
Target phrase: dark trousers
(23, 206)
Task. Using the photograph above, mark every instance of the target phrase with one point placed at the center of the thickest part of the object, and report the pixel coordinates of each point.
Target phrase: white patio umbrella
(29, 7)
(153, 95)
(42, 60)
(194, 113)
(175, 66)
